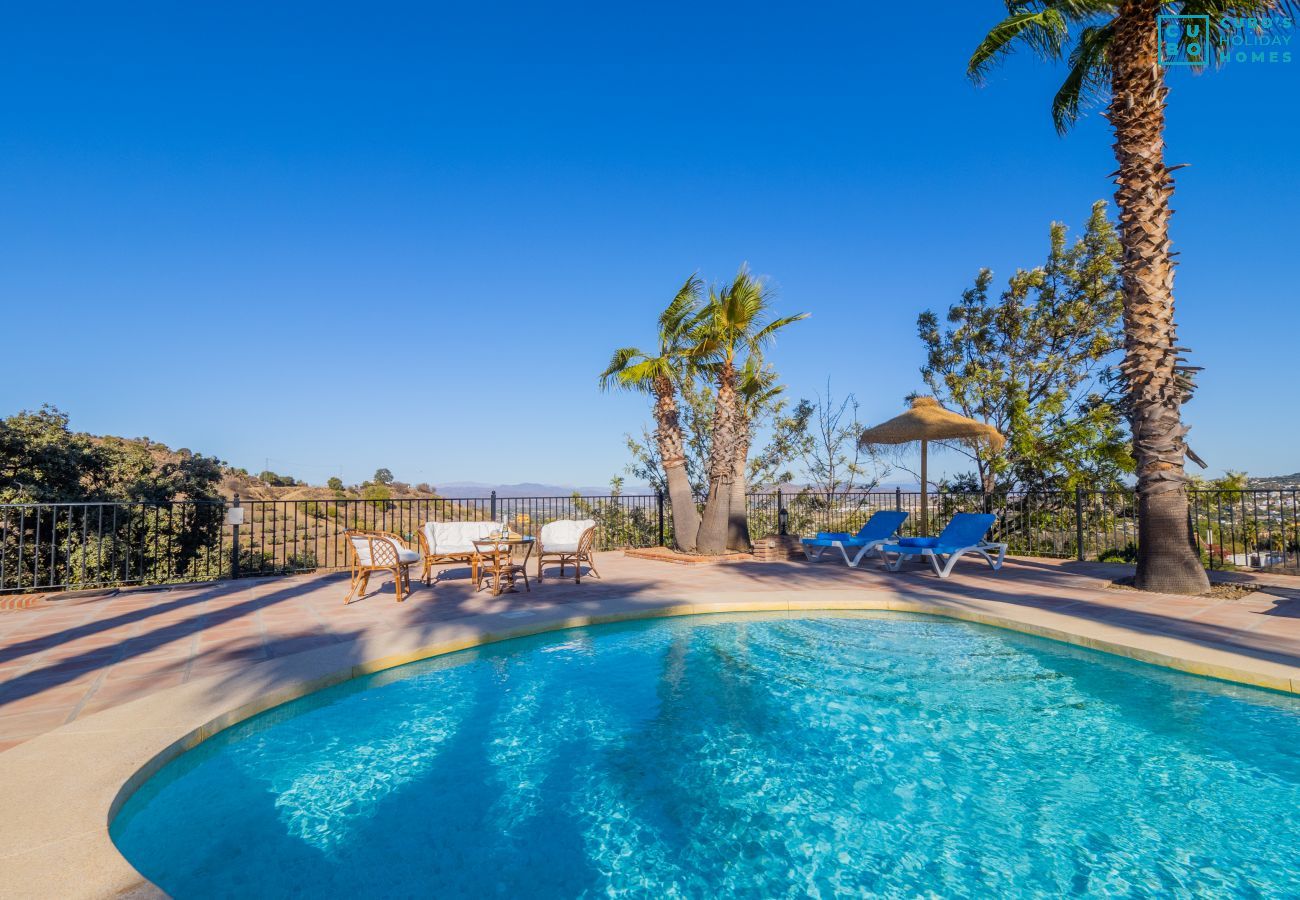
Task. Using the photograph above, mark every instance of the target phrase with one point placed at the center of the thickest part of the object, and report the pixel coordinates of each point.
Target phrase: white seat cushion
(563, 535)
(456, 537)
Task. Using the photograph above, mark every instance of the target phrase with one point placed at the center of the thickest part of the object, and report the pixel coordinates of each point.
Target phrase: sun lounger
(879, 529)
(964, 534)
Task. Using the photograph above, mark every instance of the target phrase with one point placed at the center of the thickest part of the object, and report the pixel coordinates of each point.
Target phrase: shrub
(1126, 554)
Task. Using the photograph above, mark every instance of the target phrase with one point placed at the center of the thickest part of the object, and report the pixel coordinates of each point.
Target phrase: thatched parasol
(928, 421)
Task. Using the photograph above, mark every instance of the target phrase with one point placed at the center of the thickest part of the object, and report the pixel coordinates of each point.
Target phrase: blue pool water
(746, 757)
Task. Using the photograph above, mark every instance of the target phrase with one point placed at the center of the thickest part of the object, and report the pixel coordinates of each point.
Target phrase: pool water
(744, 757)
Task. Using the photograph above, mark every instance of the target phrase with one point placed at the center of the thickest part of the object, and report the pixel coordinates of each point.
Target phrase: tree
(378, 493)
(271, 478)
(767, 466)
(734, 326)
(1114, 51)
(41, 460)
(335, 483)
(1034, 364)
(829, 448)
(383, 476)
(758, 392)
(660, 374)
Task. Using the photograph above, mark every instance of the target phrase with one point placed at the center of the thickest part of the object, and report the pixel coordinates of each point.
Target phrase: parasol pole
(925, 486)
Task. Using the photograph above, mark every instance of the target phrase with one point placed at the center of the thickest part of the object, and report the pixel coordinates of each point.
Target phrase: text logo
(1187, 40)
(1184, 40)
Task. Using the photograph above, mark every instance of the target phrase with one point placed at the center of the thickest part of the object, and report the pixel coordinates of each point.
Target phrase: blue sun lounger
(880, 528)
(964, 534)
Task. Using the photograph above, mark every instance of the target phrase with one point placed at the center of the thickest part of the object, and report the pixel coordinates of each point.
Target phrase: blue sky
(346, 236)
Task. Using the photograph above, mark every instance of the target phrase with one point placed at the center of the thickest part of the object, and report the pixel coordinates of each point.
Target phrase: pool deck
(98, 691)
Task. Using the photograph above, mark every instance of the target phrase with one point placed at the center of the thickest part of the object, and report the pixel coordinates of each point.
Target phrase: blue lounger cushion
(918, 542)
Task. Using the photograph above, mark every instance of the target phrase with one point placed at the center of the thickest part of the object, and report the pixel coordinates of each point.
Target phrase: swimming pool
(743, 756)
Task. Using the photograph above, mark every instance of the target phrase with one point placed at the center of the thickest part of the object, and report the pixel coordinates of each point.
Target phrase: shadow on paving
(451, 598)
(1021, 583)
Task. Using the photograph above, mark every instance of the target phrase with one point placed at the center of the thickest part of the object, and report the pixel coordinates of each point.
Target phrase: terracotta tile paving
(70, 656)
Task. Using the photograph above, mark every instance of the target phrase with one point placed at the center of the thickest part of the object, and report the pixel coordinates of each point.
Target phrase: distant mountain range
(476, 489)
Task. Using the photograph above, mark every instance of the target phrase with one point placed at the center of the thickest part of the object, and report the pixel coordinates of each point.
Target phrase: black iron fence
(53, 546)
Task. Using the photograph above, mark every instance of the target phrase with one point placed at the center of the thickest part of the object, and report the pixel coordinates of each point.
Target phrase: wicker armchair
(379, 551)
(567, 542)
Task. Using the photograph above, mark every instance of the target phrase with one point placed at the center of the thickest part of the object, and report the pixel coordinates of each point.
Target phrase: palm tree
(733, 327)
(757, 390)
(657, 375)
(1113, 51)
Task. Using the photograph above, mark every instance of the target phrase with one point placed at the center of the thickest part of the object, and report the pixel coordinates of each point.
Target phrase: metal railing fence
(55, 546)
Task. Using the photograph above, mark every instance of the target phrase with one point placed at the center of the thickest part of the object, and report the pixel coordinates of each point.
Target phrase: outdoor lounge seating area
(499, 559)
(494, 556)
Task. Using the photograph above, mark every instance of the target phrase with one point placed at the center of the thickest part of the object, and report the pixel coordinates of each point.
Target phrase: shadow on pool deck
(66, 658)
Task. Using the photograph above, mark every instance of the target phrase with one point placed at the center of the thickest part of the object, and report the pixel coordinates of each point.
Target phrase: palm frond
(757, 384)
(1089, 76)
(615, 374)
(1044, 30)
(765, 334)
(676, 320)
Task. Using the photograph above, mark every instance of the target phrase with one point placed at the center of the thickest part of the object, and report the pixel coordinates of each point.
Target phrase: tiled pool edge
(59, 791)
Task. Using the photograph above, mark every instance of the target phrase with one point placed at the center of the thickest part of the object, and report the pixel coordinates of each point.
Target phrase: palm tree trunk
(686, 517)
(712, 538)
(1167, 560)
(738, 514)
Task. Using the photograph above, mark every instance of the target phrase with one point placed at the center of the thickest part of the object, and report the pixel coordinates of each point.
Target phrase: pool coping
(60, 790)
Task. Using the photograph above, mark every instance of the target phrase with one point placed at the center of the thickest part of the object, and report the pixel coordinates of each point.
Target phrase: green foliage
(42, 460)
(1229, 487)
(378, 494)
(383, 476)
(335, 483)
(619, 524)
(1126, 554)
(274, 480)
(631, 369)
(1035, 363)
(786, 429)
(322, 509)
(768, 466)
